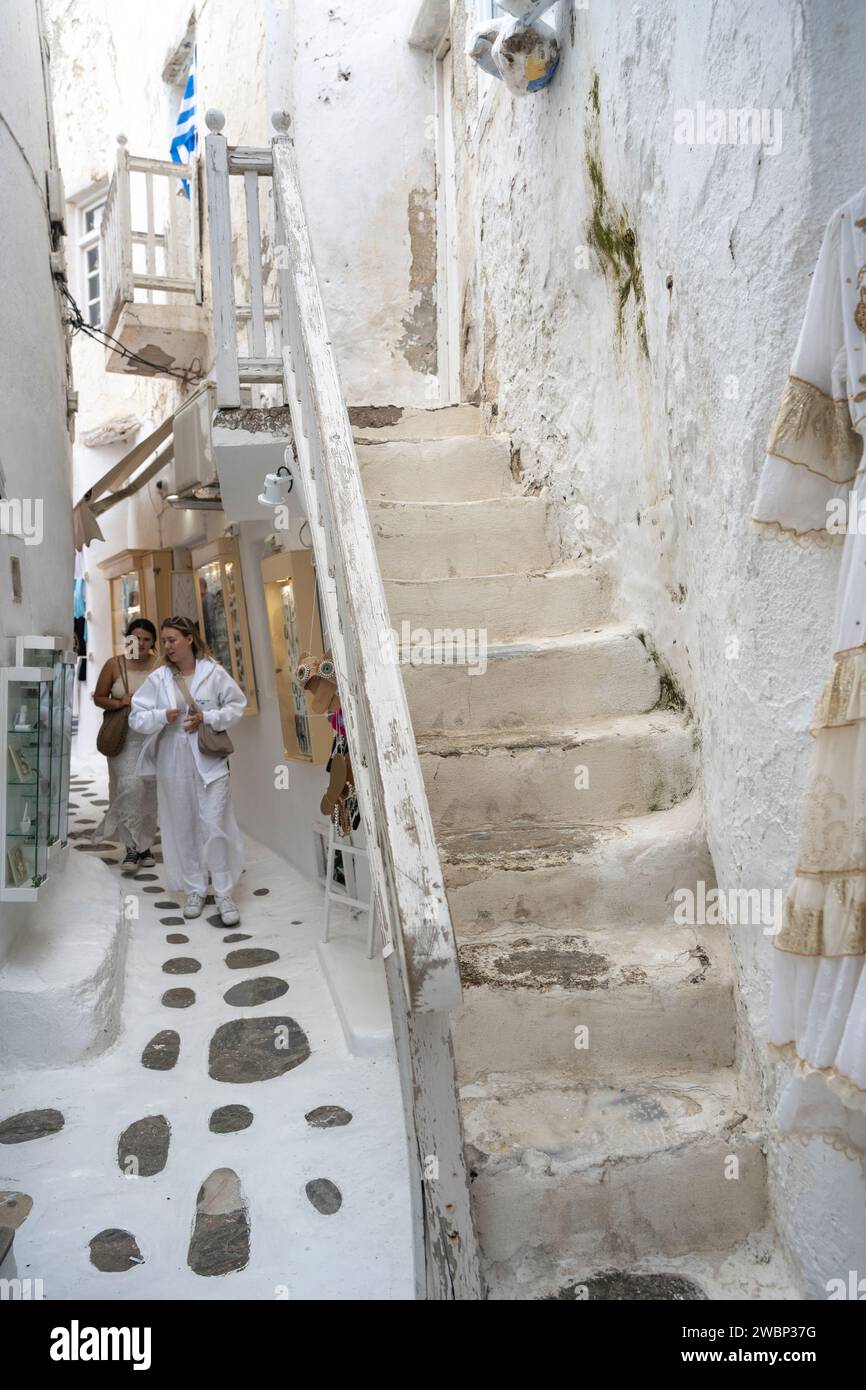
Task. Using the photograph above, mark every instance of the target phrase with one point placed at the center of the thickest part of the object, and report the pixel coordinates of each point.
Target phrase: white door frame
(447, 245)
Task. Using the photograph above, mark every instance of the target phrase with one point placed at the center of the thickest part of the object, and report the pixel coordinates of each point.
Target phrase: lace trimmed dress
(813, 490)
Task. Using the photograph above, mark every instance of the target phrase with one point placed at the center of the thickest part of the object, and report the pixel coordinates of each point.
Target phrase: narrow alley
(228, 1129)
(432, 667)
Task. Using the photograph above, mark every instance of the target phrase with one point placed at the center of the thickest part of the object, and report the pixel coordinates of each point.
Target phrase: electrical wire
(99, 335)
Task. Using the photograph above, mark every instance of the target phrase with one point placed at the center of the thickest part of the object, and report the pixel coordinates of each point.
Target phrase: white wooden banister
(419, 945)
(413, 877)
(422, 963)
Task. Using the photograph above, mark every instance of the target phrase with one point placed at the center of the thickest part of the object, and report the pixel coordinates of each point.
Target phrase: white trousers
(200, 835)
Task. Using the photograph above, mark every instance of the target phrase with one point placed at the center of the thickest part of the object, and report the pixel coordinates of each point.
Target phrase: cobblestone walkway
(227, 1145)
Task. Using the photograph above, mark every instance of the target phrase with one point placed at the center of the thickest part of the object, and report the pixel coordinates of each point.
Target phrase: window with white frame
(90, 276)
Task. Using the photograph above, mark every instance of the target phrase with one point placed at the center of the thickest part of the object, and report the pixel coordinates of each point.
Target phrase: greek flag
(185, 137)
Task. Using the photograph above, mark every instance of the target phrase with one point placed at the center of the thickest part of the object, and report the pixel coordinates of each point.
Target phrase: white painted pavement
(363, 1251)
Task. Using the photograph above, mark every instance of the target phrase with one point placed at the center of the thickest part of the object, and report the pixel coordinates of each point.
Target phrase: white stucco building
(38, 402)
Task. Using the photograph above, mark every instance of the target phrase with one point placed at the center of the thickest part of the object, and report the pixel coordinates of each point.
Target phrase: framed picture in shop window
(18, 871)
(295, 628)
(20, 765)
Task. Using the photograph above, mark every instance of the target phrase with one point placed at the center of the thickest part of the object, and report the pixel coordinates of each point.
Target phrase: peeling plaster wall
(663, 446)
(365, 137)
(35, 452)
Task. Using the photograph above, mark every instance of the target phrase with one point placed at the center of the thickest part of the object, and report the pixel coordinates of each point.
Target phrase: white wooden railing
(419, 948)
(172, 256)
(262, 362)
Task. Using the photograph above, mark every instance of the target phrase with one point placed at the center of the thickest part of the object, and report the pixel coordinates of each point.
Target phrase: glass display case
(26, 705)
(62, 746)
(141, 584)
(57, 712)
(49, 754)
(295, 627)
(222, 612)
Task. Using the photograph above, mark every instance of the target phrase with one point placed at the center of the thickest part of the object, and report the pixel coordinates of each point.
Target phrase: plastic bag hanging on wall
(519, 49)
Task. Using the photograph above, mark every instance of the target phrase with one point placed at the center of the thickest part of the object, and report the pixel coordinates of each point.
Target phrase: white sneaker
(228, 910)
(193, 905)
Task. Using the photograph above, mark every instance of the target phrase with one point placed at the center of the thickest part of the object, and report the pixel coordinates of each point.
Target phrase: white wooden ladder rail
(420, 950)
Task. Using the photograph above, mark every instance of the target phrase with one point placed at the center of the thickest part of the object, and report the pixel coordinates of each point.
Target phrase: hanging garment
(131, 814)
(79, 621)
(79, 626)
(79, 599)
(200, 835)
(813, 478)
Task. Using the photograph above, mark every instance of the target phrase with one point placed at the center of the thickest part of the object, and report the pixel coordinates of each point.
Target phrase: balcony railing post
(124, 223)
(221, 260)
(195, 227)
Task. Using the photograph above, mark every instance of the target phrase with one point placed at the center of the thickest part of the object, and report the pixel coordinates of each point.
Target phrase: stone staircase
(596, 1046)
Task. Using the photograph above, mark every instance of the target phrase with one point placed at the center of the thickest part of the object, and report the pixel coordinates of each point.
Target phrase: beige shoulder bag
(214, 742)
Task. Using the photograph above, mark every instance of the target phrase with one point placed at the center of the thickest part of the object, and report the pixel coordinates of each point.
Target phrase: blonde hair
(186, 626)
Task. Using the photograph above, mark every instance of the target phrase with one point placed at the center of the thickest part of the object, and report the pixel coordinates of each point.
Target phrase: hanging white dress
(813, 489)
(200, 835)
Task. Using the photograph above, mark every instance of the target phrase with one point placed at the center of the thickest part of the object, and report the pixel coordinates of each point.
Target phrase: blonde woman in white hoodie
(200, 835)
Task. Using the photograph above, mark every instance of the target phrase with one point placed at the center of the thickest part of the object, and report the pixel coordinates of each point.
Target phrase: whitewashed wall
(34, 443)
(663, 447)
(367, 164)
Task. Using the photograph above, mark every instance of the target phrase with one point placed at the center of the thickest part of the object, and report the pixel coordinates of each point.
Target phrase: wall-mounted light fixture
(277, 487)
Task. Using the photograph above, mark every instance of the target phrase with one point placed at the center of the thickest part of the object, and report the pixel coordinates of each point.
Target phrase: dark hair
(143, 623)
(189, 629)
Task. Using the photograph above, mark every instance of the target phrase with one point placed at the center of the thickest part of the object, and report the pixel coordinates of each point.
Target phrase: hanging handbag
(340, 802)
(115, 723)
(214, 742)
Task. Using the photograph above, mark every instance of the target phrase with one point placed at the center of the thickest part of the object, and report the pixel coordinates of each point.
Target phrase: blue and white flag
(185, 136)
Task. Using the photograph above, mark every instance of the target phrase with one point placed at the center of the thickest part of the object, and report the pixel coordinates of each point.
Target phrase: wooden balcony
(152, 268)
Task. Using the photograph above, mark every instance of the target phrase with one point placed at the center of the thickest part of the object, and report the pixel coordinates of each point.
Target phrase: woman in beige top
(131, 814)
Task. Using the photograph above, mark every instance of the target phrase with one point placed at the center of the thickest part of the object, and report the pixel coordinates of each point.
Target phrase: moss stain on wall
(611, 234)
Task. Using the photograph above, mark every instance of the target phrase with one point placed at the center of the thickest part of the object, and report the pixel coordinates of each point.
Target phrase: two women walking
(175, 711)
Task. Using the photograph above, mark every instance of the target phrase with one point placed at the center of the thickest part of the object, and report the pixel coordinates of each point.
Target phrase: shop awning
(122, 480)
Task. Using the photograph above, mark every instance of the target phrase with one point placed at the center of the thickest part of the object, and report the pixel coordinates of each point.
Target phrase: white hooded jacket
(220, 699)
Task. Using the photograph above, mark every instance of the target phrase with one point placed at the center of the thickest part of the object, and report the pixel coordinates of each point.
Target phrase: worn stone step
(565, 878)
(374, 424)
(553, 680)
(612, 1170)
(466, 469)
(756, 1270)
(607, 770)
(649, 999)
(507, 607)
(418, 540)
